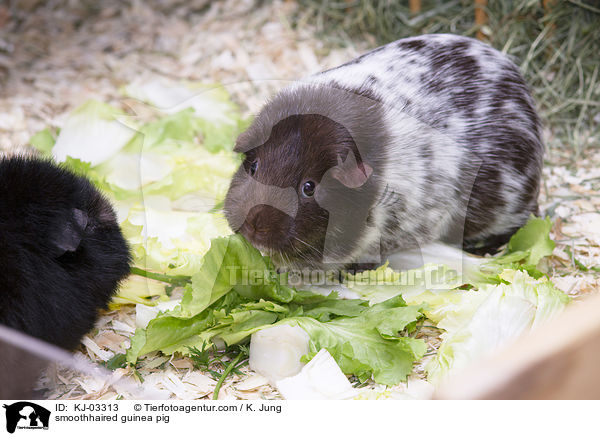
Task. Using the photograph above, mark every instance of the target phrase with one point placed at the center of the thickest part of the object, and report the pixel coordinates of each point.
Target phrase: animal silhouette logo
(26, 415)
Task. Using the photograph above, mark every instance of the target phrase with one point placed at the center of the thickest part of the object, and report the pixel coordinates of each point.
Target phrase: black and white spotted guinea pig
(430, 138)
(62, 254)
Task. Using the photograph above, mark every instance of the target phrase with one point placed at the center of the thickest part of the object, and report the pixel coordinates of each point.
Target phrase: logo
(26, 415)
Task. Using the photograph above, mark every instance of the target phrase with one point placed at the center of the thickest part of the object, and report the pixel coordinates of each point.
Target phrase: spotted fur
(449, 128)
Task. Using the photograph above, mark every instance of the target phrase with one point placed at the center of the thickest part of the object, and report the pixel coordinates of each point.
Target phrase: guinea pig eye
(308, 188)
(253, 167)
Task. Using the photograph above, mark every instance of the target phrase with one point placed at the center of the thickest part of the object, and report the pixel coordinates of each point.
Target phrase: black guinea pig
(430, 138)
(61, 251)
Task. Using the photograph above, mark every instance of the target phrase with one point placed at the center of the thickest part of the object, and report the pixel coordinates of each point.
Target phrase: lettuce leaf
(92, 133)
(369, 344)
(215, 116)
(533, 239)
(139, 290)
(526, 248)
(229, 301)
(505, 296)
(236, 292)
(383, 283)
(43, 141)
(166, 177)
(478, 322)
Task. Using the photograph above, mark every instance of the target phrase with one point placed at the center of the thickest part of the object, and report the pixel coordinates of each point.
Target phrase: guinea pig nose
(257, 219)
(266, 225)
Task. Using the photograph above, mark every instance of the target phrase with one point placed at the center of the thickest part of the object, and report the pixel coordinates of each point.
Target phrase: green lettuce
(369, 344)
(492, 302)
(92, 133)
(533, 240)
(222, 298)
(139, 290)
(166, 177)
(216, 118)
(479, 322)
(237, 292)
(383, 283)
(525, 251)
(43, 141)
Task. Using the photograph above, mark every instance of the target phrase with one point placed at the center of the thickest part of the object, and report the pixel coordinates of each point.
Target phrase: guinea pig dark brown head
(303, 194)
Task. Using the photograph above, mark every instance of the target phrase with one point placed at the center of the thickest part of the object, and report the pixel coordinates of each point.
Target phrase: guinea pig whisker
(307, 244)
(308, 260)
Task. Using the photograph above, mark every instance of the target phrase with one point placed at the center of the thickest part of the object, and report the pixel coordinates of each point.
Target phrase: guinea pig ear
(242, 143)
(350, 173)
(69, 233)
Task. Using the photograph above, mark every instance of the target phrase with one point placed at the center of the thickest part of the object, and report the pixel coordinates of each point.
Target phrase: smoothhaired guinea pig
(62, 254)
(430, 138)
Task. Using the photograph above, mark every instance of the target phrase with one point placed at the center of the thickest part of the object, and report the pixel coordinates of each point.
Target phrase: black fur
(61, 251)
